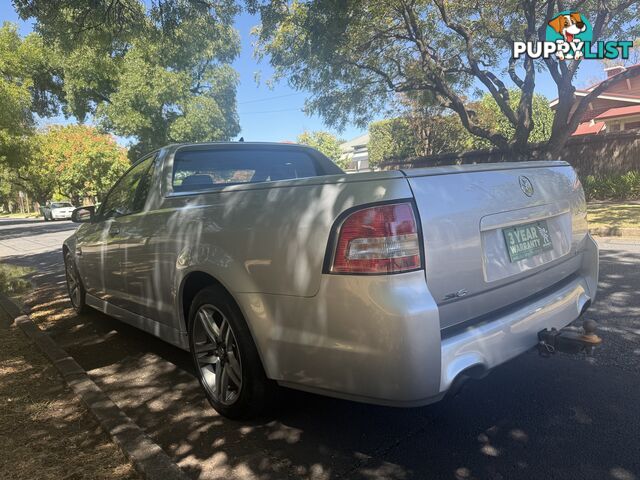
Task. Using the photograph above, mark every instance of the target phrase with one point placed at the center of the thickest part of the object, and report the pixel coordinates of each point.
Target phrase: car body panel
(462, 219)
(397, 339)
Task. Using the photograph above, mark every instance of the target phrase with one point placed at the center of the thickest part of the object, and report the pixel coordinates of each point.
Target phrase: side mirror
(83, 214)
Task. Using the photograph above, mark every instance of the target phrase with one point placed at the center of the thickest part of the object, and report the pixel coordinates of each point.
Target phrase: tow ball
(569, 341)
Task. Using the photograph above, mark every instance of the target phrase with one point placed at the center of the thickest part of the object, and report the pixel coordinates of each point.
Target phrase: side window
(130, 192)
(144, 185)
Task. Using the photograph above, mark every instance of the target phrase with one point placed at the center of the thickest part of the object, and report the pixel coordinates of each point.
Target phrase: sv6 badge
(460, 293)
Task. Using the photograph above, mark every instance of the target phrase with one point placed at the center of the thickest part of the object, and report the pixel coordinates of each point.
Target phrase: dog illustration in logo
(568, 25)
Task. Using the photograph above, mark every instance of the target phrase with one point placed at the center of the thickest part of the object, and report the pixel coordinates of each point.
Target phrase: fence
(600, 155)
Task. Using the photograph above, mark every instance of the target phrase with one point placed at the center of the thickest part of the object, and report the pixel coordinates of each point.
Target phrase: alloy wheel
(73, 283)
(217, 355)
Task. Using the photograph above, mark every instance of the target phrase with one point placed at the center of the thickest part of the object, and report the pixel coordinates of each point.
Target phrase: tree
(488, 115)
(37, 174)
(426, 130)
(157, 71)
(8, 188)
(355, 55)
(391, 138)
(75, 161)
(414, 135)
(28, 86)
(326, 143)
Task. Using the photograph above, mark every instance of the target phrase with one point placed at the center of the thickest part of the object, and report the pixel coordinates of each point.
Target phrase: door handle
(114, 230)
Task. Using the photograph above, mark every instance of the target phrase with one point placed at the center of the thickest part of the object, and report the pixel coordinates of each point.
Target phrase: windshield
(61, 205)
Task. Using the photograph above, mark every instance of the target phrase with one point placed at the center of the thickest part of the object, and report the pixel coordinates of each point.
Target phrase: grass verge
(12, 281)
(620, 215)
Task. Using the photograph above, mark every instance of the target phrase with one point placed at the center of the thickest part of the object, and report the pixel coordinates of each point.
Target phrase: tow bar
(569, 341)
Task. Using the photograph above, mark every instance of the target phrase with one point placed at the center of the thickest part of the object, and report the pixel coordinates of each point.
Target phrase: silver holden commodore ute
(271, 266)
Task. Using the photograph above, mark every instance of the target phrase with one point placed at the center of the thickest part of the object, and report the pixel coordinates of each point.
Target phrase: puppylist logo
(569, 36)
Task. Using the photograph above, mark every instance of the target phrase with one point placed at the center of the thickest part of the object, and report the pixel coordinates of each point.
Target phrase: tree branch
(497, 88)
(101, 96)
(512, 73)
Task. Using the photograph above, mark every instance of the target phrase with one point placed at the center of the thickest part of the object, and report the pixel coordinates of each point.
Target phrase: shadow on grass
(614, 215)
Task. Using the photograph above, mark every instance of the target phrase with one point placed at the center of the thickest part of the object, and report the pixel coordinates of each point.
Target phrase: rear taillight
(380, 239)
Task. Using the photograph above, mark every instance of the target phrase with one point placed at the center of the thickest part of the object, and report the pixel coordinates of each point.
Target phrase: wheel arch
(194, 282)
(190, 285)
(66, 249)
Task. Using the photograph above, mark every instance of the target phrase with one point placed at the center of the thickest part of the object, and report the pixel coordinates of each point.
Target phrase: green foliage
(447, 135)
(348, 53)
(618, 187)
(27, 86)
(431, 132)
(489, 115)
(12, 281)
(326, 143)
(157, 73)
(8, 189)
(355, 56)
(406, 137)
(75, 161)
(392, 138)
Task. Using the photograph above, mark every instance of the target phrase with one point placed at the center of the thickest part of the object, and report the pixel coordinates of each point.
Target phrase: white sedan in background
(57, 211)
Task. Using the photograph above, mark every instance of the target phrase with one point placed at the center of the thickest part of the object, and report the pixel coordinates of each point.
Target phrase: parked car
(272, 266)
(57, 211)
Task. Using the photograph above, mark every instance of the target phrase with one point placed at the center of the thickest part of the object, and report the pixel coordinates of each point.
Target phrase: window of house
(614, 127)
(631, 125)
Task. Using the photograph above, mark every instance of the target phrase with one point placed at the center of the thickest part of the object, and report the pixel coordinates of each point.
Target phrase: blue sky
(283, 118)
(274, 113)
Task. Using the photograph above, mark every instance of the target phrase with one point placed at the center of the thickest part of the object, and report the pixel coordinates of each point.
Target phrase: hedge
(615, 187)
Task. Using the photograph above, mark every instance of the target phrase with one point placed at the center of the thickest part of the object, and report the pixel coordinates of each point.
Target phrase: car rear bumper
(61, 215)
(378, 339)
(493, 342)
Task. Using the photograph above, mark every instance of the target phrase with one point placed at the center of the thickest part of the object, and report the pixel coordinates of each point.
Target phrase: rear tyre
(75, 288)
(226, 359)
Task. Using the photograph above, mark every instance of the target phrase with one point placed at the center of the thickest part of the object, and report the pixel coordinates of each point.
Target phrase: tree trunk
(519, 152)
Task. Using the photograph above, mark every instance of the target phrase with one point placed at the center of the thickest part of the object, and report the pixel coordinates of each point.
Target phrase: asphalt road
(532, 418)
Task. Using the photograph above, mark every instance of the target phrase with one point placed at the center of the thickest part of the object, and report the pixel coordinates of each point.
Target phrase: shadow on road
(18, 221)
(531, 418)
(26, 230)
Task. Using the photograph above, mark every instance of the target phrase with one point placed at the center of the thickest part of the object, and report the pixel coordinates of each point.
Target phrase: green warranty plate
(525, 241)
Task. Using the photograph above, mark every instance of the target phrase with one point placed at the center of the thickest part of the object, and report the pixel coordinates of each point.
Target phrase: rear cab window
(203, 168)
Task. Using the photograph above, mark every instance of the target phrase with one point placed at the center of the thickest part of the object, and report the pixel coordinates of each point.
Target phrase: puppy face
(568, 25)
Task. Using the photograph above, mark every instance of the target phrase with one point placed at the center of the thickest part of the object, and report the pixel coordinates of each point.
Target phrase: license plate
(528, 240)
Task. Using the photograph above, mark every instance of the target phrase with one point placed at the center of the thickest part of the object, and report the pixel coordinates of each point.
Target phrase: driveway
(533, 418)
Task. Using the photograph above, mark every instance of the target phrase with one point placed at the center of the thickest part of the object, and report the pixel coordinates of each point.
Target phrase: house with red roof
(614, 110)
